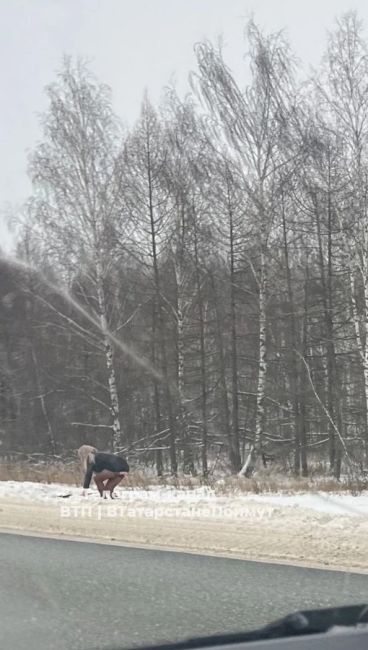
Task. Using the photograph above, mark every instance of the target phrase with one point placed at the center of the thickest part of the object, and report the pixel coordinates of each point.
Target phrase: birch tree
(343, 96)
(228, 227)
(182, 136)
(254, 123)
(76, 175)
(147, 198)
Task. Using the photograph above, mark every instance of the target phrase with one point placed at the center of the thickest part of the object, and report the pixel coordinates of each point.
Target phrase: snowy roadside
(334, 504)
(312, 529)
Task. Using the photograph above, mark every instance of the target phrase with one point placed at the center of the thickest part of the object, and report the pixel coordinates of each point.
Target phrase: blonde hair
(86, 455)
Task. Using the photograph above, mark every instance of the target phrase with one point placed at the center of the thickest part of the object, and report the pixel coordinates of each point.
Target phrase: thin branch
(94, 426)
(342, 441)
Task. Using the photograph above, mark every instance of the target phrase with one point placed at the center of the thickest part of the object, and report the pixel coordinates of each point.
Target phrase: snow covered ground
(314, 529)
(332, 504)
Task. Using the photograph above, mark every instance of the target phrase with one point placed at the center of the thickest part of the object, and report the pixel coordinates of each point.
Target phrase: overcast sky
(131, 45)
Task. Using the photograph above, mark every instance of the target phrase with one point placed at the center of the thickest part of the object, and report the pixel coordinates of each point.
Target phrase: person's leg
(113, 482)
(100, 479)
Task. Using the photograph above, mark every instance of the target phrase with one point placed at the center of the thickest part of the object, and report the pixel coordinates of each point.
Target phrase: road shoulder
(310, 540)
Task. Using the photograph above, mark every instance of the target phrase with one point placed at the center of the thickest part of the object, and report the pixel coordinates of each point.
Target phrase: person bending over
(108, 469)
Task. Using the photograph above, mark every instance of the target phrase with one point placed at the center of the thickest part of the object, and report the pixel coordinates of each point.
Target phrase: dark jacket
(104, 461)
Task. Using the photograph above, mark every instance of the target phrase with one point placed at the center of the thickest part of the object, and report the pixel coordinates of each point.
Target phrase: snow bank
(312, 529)
(333, 504)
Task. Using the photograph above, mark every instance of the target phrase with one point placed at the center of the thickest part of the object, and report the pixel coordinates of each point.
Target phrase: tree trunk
(109, 355)
(333, 387)
(303, 381)
(361, 343)
(40, 394)
(156, 393)
(202, 340)
(293, 358)
(256, 448)
(29, 310)
(161, 322)
(188, 460)
(234, 352)
(225, 412)
(365, 353)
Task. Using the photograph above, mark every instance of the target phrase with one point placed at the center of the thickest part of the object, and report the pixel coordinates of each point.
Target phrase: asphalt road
(58, 595)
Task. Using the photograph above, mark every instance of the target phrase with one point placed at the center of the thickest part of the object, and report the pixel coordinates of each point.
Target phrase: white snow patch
(333, 504)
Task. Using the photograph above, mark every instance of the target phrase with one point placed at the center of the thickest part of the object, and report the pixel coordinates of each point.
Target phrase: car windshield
(183, 317)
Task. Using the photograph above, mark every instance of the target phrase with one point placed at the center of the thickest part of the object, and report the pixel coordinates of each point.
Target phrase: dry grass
(287, 484)
(262, 482)
(45, 473)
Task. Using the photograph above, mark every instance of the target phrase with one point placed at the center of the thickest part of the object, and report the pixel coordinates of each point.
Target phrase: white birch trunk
(180, 334)
(262, 371)
(188, 455)
(362, 342)
(359, 341)
(256, 447)
(364, 352)
(109, 354)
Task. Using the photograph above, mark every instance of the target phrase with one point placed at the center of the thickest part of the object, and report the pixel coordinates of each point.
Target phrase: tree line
(193, 291)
